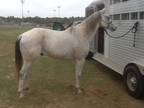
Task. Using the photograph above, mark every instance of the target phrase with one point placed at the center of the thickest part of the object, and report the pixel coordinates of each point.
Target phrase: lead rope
(133, 30)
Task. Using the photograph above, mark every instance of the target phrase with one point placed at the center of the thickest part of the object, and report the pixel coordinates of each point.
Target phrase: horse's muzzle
(114, 29)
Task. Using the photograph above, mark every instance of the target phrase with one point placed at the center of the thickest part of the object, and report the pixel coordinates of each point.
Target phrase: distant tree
(38, 20)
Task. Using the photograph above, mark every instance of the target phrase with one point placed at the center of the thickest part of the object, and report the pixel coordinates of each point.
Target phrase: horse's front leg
(78, 72)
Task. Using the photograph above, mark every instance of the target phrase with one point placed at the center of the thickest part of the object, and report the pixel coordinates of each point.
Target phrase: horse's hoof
(79, 91)
(21, 95)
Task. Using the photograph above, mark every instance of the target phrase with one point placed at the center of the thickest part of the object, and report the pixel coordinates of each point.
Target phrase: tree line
(39, 20)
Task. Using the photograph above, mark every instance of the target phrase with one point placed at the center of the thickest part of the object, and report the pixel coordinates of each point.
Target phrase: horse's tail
(18, 57)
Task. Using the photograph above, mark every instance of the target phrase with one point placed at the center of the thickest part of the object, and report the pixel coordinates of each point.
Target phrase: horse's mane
(69, 25)
(89, 24)
(72, 25)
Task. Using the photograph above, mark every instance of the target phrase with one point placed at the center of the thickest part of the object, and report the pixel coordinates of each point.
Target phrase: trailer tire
(134, 82)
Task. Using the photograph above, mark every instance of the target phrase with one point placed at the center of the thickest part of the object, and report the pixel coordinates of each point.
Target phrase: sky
(44, 8)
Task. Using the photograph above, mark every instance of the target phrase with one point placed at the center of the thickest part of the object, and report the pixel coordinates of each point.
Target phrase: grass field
(52, 81)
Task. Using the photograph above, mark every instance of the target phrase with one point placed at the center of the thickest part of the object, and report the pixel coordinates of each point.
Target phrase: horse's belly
(60, 52)
(60, 55)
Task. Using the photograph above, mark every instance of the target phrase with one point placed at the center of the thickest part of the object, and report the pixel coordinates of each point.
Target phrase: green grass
(8, 34)
(52, 81)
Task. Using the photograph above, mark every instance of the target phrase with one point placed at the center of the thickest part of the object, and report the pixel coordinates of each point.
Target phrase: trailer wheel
(134, 81)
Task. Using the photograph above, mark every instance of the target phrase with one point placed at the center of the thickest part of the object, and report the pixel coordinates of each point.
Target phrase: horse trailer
(122, 50)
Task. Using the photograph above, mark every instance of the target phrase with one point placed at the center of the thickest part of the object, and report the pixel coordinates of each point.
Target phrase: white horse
(72, 43)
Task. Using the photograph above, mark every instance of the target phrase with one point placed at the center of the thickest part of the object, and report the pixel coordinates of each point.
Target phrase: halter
(108, 23)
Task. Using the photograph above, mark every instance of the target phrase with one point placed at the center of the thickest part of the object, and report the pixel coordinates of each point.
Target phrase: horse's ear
(103, 11)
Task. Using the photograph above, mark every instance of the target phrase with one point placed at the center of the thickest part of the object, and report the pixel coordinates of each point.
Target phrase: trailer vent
(134, 16)
(141, 15)
(125, 16)
(116, 17)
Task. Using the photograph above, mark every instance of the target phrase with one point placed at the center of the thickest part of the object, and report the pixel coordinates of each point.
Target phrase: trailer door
(100, 41)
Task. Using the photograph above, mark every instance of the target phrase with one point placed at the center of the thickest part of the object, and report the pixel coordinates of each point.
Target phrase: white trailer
(124, 55)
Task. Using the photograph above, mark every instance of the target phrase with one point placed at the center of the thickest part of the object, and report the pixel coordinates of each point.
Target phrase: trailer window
(141, 15)
(134, 15)
(99, 7)
(116, 17)
(125, 16)
(111, 1)
(89, 11)
(116, 1)
(124, 0)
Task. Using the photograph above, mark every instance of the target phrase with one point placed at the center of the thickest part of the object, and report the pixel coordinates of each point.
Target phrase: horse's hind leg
(78, 72)
(24, 77)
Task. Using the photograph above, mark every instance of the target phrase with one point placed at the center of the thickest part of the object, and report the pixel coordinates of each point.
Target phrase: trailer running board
(108, 63)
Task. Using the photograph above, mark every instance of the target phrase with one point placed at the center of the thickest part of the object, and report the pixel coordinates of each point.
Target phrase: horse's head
(106, 21)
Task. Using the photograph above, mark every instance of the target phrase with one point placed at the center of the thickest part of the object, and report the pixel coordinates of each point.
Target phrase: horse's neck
(91, 24)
